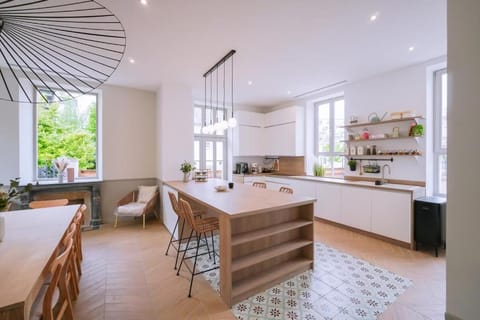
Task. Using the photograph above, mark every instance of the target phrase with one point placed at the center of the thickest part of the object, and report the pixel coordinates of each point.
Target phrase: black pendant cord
(205, 105)
(211, 95)
(57, 45)
(216, 103)
(232, 85)
(224, 110)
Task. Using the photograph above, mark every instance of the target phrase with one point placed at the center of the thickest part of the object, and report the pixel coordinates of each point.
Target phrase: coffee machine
(241, 168)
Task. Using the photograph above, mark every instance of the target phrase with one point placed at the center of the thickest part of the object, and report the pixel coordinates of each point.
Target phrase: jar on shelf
(368, 150)
(374, 150)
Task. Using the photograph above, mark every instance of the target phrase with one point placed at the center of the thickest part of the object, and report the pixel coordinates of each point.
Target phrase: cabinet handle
(426, 208)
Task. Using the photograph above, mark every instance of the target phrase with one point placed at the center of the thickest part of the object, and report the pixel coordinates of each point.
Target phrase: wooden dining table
(31, 239)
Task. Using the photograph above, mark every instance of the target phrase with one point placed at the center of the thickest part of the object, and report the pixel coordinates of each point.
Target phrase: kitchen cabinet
(248, 136)
(285, 132)
(275, 183)
(356, 207)
(392, 214)
(329, 202)
(306, 188)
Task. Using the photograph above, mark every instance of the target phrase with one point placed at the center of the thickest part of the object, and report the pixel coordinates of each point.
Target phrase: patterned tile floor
(339, 287)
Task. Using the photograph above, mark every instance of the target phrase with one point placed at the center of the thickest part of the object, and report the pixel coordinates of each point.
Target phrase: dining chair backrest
(261, 185)
(286, 190)
(36, 204)
(58, 282)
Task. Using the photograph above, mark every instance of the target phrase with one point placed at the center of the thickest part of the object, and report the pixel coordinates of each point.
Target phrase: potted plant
(13, 191)
(186, 168)
(352, 164)
(318, 170)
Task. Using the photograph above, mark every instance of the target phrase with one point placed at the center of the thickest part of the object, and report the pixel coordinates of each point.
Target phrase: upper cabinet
(248, 136)
(285, 132)
(277, 133)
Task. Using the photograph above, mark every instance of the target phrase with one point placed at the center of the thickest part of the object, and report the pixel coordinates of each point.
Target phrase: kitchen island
(266, 236)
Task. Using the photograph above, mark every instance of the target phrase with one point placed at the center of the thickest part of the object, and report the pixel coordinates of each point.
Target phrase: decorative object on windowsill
(60, 164)
(186, 168)
(416, 130)
(70, 45)
(12, 192)
(352, 164)
(318, 170)
(219, 124)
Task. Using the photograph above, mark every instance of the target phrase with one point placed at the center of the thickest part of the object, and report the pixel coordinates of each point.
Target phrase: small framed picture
(395, 132)
(353, 151)
(360, 150)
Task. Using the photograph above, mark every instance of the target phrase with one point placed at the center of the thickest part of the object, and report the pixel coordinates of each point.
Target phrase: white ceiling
(282, 45)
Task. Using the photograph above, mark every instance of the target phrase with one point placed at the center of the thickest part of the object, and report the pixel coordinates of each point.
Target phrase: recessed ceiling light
(144, 2)
(374, 17)
(411, 48)
(131, 60)
(250, 83)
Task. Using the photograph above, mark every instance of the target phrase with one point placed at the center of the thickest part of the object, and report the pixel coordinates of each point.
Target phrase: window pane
(442, 174)
(196, 150)
(67, 129)
(339, 112)
(219, 158)
(323, 122)
(197, 120)
(443, 128)
(209, 150)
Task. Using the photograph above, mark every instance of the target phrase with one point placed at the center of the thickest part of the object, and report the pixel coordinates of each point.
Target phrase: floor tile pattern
(339, 287)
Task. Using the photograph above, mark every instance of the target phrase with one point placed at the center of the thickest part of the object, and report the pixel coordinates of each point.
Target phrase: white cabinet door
(329, 202)
(248, 141)
(305, 188)
(280, 140)
(391, 214)
(251, 179)
(275, 183)
(356, 207)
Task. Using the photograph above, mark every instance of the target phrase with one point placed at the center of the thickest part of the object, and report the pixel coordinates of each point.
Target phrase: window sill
(76, 181)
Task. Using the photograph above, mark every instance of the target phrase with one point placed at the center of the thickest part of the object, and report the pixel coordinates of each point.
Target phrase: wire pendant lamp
(48, 46)
(220, 124)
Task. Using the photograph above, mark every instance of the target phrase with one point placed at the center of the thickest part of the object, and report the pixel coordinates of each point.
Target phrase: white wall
(129, 133)
(174, 130)
(463, 216)
(9, 141)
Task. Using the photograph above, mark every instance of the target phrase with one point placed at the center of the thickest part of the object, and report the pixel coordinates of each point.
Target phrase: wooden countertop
(239, 201)
(31, 236)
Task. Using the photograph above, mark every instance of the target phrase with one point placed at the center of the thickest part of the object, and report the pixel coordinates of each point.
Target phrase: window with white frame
(67, 129)
(210, 150)
(440, 132)
(329, 115)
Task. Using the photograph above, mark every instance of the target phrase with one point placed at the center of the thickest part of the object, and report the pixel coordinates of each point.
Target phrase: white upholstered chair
(138, 203)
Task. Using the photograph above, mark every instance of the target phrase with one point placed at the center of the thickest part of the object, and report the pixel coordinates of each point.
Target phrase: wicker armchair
(129, 206)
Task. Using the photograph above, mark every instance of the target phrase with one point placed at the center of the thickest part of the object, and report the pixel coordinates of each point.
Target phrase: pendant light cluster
(215, 122)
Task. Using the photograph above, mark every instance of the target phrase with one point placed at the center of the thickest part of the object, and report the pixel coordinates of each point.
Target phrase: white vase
(186, 176)
(2, 226)
(60, 177)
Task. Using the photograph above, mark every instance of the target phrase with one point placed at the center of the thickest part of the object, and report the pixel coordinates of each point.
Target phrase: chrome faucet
(383, 172)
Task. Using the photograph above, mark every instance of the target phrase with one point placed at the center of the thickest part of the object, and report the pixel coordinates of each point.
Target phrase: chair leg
(194, 263)
(208, 247)
(116, 220)
(184, 252)
(213, 247)
(143, 221)
(180, 238)
(171, 237)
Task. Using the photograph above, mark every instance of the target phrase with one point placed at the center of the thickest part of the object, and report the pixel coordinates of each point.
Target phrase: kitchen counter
(265, 236)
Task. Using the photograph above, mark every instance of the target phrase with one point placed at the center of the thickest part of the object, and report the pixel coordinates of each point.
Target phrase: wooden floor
(126, 275)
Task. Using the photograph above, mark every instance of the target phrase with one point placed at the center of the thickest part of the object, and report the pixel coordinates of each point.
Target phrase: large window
(329, 115)
(440, 133)
(210, 150)
(67, 129)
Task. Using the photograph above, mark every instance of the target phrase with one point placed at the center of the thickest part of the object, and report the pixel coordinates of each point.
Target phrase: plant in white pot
(186, 168)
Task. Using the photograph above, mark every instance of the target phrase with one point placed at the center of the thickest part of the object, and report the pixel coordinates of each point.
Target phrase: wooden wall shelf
(366, 124)
(381, 139)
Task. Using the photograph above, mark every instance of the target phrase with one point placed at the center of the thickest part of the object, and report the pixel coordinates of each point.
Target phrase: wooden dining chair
(72, 276)
(36, 204)
(180, 216)
(201, 227)
(78, 220)
(258, 184)
(286, 190)
(55, 303)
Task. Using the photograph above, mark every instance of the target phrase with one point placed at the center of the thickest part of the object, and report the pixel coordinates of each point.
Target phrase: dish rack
(201, 176)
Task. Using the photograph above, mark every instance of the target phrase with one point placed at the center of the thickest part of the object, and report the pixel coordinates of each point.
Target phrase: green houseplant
(13, 191)
(352, 164)
(318, 170)
(186, 167)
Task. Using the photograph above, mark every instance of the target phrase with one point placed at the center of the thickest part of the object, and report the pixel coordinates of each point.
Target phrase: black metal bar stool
(201, 227)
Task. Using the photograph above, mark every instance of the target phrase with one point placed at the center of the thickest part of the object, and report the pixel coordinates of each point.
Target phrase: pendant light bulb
(224, 125)
(232, 122)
